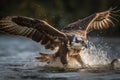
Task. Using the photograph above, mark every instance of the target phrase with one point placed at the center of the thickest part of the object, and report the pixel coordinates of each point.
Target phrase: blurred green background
(59, 13)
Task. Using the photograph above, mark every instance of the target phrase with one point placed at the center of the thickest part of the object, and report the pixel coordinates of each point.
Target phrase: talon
(65, 66)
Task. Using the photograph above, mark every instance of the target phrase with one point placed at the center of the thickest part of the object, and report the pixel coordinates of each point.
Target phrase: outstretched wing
(38, 30)
(95, 21)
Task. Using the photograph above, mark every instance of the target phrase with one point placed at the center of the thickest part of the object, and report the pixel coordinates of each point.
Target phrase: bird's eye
(76, 40)
(82, 41)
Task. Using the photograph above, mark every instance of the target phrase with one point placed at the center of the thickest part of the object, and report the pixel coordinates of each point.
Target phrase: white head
(78, 42)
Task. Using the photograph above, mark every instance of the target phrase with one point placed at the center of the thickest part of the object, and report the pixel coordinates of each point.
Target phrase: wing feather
(40, 25)
(38, 30)
(103, 19)
(97, 21)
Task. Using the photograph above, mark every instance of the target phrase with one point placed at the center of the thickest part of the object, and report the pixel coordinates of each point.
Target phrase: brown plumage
(96, 21)
(67, 39)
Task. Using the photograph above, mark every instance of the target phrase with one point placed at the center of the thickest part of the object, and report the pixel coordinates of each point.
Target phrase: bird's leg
(78, 58)
(62, 53)
(43, 58)
(81, 61)
(63, 56)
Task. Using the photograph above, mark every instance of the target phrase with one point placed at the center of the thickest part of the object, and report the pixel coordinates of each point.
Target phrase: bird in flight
(69, 41)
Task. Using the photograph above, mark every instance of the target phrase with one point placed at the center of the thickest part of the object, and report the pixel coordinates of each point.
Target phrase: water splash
(97, 55)
(94, 56)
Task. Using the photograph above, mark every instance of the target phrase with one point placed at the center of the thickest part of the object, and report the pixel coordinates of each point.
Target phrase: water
(17, 60)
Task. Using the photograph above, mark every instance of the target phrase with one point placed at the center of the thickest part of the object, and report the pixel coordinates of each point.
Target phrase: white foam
(93, 56)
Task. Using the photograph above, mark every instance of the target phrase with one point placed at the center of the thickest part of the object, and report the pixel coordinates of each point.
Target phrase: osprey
(69, 41)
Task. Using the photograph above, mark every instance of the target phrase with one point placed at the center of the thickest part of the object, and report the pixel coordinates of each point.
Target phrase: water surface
(17, 61)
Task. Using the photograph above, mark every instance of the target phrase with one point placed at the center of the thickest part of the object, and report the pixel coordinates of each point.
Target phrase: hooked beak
(85, 43)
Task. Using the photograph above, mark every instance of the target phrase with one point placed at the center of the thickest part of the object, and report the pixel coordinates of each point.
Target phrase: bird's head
(78, 42)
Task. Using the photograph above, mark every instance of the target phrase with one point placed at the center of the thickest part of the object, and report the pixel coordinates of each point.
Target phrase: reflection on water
(17, 60)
